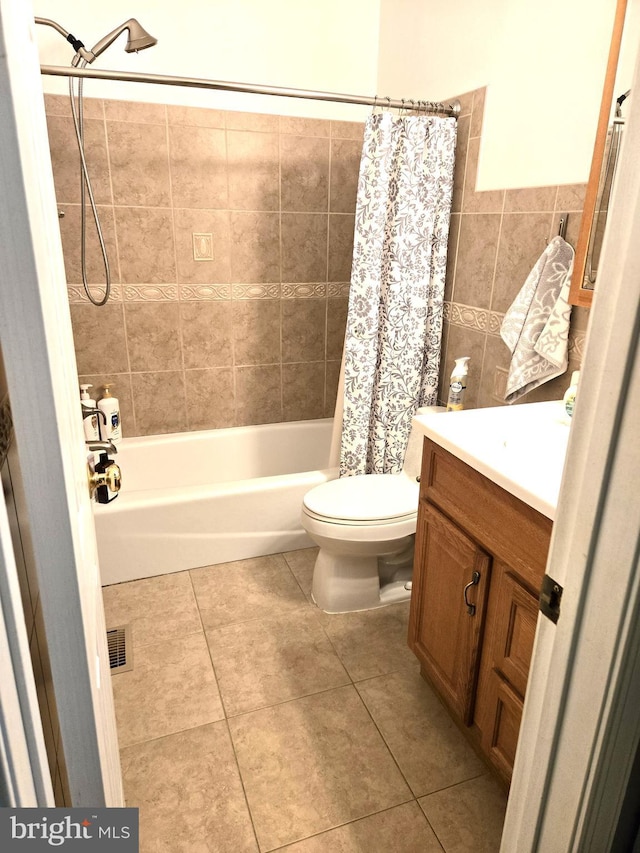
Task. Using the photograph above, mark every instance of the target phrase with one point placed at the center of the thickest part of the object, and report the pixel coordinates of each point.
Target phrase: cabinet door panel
(507, 715)
(515, 632)
(442, 633)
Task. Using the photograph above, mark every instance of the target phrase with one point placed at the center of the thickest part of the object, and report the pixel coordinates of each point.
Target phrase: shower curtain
(394, 324)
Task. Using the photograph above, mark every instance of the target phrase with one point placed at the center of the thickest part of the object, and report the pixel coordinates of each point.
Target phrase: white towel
(536, 326)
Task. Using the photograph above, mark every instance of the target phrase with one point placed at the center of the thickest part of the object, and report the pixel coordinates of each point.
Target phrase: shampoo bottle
(89, 414)
(458, 384)
(569, 398)
(109, 406)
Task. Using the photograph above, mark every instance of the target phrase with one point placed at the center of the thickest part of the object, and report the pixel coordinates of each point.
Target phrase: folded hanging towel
(536, 326)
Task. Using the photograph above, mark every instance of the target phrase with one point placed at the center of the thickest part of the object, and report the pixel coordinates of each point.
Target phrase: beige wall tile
(210, 398)
(135, 111)
(303, 329)
(99, 338)
(304, 165)
(194, 116)
(198, 160)
(530, 199)
(145, 245)
(214, 222)
(304, 247)
(332, 376)
(303, 391)
(477, 248)
(347, 129)
(255, 247)
(523, 238)
(574, 221)
(345, 167)
(254, 171)
(252, 121)
(477, 112)
(452, 250)
(459, 171)
(466, 102)
(337, 309)
(159, 402)
(305, 126)
(66, 161)
(70, 233)
(258, 395)
(139, 158)
(341, 228)
(206, 334)
(256, 331)
(571, 197)
(153, 336)
(496, 357)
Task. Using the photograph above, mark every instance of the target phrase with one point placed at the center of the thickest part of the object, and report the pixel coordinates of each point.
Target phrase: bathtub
(199, 498)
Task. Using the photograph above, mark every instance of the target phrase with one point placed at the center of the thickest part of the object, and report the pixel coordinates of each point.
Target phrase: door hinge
(550, 597)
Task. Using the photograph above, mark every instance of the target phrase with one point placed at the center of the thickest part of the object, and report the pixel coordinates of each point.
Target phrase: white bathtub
(200, 498)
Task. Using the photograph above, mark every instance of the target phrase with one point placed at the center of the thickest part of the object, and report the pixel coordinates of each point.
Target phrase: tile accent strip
(6, 429)
(76, 292)
(255, 291)
(303, 291)
(150, 293)
(471, 317)
(340, 289)
(204, 292)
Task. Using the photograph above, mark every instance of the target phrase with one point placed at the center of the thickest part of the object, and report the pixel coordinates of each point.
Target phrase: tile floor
(252, 721)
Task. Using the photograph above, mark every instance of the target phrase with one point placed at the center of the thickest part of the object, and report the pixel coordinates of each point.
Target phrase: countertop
(521, 448)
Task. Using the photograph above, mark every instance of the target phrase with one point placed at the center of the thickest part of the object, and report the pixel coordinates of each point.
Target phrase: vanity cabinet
(479, 562)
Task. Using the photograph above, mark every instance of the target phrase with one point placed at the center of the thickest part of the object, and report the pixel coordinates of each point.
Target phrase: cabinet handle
(475, 579)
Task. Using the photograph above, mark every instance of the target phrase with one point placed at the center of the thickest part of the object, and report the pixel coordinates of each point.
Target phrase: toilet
(365, 528)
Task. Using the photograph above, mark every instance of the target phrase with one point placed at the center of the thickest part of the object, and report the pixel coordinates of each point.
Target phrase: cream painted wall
(328, 45)
(543, 63)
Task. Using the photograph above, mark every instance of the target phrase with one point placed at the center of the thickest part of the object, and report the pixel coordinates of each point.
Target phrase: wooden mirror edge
(579, 295)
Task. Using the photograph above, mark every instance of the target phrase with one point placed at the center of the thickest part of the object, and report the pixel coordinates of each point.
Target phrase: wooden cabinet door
(443, 634)
(512, 616)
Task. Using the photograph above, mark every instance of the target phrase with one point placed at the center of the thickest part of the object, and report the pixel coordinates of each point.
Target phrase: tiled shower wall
(230, 238)
(495, 239)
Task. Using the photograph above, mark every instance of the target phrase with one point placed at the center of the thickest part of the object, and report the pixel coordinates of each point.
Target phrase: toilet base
(344, 583)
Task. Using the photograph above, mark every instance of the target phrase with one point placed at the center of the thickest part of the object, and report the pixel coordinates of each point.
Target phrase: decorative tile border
(6, 429)
(150, 293)
(340, 288)
(255, 291)
(495, 323)
(76, 293)
(303, 291)
(204, 292)
(576, 345)
(471, 317)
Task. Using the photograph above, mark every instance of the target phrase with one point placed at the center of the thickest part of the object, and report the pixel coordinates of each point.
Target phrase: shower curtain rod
(429, 107)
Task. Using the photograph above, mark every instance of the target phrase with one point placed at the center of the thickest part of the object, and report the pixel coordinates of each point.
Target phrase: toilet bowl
(365, 529)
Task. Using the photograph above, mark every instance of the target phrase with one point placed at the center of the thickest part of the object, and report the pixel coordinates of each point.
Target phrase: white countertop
(521, 448)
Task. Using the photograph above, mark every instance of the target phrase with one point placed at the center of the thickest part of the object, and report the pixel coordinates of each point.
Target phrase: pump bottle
(110, 407)
(458, 384)
(89, 414)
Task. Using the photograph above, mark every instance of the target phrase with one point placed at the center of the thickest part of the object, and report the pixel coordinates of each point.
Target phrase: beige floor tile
(468, 818)
(158, 608)
(371, 642)
(189, 793)
(247, 589)
(301, 564)
(313, 764)
(402, 829)
(430, 750)
(266, 661)
(170, 688)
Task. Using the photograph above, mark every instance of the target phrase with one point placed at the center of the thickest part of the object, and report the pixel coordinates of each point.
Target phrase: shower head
(138, 39)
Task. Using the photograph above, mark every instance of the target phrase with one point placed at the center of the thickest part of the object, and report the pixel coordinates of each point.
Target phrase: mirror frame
(580, 295)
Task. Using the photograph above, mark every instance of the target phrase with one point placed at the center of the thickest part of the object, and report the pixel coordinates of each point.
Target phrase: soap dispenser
(569, 398)
(110, 407)
(458, 384)
(90, 414)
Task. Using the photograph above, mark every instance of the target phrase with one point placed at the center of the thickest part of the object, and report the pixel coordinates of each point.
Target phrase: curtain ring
(413, 105)
(375, 103)
(388, 99)
(402, 108)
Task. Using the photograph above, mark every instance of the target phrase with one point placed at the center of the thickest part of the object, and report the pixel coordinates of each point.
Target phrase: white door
(37, 343)
(581, 726)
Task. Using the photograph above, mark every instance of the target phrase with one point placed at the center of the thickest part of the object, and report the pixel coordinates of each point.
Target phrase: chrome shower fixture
(138, 39)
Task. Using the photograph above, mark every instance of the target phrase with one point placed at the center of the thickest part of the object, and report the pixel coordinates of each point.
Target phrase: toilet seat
(365, 499)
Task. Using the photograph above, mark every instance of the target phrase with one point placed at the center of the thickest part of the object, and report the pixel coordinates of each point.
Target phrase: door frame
(37, 345)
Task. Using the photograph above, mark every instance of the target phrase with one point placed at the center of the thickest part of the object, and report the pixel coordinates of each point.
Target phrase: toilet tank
(413, 453)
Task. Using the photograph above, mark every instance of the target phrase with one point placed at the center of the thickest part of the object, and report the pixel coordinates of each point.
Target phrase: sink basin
(521, 448)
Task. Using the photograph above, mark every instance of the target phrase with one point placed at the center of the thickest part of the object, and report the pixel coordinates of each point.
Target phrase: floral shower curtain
(394, 324)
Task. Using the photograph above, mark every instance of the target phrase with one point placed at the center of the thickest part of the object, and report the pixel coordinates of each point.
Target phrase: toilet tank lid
(364, 497)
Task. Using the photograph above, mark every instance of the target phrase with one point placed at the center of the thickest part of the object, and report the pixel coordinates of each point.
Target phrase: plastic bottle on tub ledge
(458, 384)
(110, 407)
(89, 414)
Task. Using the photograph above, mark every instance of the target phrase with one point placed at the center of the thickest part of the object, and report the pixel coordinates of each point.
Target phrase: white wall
(328, 45)
(543, 63)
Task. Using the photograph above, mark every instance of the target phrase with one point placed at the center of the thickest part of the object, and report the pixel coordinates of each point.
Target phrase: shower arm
(76, 44)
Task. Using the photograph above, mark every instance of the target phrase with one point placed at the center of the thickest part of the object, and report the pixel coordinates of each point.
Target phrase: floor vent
(120, 652)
